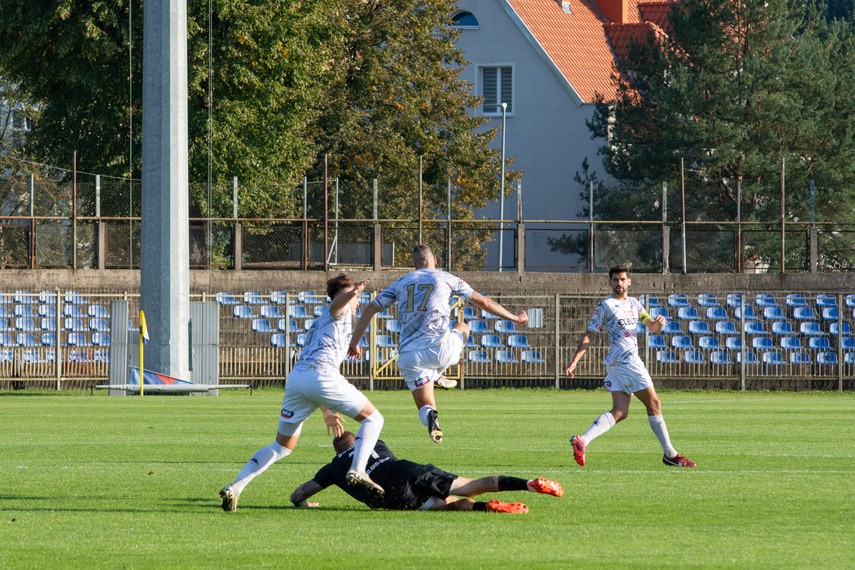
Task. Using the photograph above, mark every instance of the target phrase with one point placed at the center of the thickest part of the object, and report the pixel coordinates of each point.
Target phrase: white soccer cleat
(444, 383)
(354, 477)
(230, 499)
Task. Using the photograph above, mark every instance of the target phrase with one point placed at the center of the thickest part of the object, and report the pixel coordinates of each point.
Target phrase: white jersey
(620, 320)
(327, 340)
(423, 305)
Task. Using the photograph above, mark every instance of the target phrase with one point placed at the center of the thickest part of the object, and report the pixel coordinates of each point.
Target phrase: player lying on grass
(316, 382)
(427, 346)
(413, 486)
(626, 374)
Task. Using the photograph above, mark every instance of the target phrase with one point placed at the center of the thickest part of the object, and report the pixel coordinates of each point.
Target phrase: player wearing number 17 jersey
(626, 374)
(427, 346)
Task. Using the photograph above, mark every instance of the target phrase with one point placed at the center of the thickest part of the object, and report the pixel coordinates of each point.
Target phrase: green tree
(732, 88)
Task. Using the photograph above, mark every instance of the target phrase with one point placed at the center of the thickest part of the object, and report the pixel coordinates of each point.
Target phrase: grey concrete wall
(111, 281)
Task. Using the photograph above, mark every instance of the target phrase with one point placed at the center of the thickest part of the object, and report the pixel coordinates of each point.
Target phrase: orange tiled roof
(576, 42)
(656, 12)
(621, 35)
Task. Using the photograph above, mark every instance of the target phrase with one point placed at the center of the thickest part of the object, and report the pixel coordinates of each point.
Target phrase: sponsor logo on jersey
(421, 382)
(608, 383)
(287, 414)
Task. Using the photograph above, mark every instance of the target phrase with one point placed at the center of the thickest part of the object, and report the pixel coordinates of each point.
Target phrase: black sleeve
(383, 450)
(326, 476)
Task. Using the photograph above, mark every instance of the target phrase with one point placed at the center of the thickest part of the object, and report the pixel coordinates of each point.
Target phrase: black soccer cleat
(433, 426)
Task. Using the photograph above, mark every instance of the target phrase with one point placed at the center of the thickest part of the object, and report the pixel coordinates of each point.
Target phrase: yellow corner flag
(143, 342)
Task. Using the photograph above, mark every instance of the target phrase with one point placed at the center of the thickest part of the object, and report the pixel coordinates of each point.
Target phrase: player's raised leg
(371, 423)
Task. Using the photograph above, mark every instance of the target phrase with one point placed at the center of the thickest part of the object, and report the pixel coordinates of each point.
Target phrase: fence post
(378, 232)
(101, 245)
(287, 335)
(557, 363)
(739, 224)
(591, 228)
(305, 223)
(742, 338)
(238, 242)
(840, 342)
(32, 244)
(57, 343)
(814, 253)
(421, 196)
(666, 232)
(520, 248)
(448, 240)
(783, 221)
(683, 211)
(74, 214)
(326, 213)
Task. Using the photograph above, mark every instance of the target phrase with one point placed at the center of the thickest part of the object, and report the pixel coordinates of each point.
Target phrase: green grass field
(98, 481)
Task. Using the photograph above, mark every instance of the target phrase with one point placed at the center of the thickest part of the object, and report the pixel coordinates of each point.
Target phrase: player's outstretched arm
(353, 349)
(303, 492)
(580, 352)
(655, 324)
(494, 308)
(334, 422)
(340, 302)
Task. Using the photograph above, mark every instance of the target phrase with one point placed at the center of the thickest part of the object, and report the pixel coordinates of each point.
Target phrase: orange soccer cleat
(547, 487)
(678, 461)
(500, 507)
(578, 449)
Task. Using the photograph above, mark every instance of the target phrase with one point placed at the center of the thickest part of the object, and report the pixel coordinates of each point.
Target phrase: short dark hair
(618, 269)
(337, 284)
(343, 441)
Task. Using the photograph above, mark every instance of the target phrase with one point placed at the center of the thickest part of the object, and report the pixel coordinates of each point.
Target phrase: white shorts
(420, 367)
(307, 389)
(630, 376)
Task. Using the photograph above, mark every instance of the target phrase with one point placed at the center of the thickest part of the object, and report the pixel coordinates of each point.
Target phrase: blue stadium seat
(518, 341)
(819, 343)
(392, 326)
(735, 342)
(278, 340)
(47, 297)
(765, 300)
(270, 312)
(319, 310)
(774, 313)
(667, 357)
(279, 297)
(24, 311)
(844, 330)
(491, 341)
(824, 300)
(4, 325)
(96, 311)
(479, 327)
(754, 327)
(98, 325)
(24, 297)
(699, 327)
(782, 328)
(733, 299)
(708, 342)
(677, 300)
(693, 357)
(73, 311)
(48, 339)
(481, 356)
(810, 328)
(470, 342)
(301, 339)
(804, 314)
(652, 301)
(7, 356)
(292, 325)
(716, 314)
(687, 314)
(656, 341)
(252, 298)
(849, 300)
(848, 343)
(830, 313)
(726, 327)
(486, 315)
(363, 342)
(531, 356)
(791, 343)
(505, 327)
(226, 298)
(6, 340)
(101, 356)
(750, 358)
(78, 339)
(25, 339)
(671, 327)
(657, 311)
(707, 300)
(3, 311)
(309, 297)
(826, 358)
(796, 300)
(47, 311)
(506, 357)
(749, 313)
(772, 358)
(25, 324)
(74, 298)
(849, 358)
(762, 343)
(681, 342)
(385, 341)
(31, 356)
(243, 312)
(799, 358)
(262, 326)
(720, 357)
(469, 313)
(101, 339)
(47, 324)
(298, 312)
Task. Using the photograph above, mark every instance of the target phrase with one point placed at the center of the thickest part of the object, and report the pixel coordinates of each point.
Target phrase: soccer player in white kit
(427, 346)
(626, 374)
(316, 382)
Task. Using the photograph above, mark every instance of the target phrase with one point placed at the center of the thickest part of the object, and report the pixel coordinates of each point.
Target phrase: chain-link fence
(53, 218)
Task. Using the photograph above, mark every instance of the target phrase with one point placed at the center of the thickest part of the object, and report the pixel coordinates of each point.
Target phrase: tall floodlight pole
(502, 190)
(165, 257)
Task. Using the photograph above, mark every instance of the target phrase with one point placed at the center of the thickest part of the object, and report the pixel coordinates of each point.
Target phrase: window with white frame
(497, 88)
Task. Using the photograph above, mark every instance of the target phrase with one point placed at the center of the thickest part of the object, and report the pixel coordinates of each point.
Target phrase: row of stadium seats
(768, 313)
(44, 297)
(49, 339)
(34, 312)
(760, 342)
(49, 324)
(809, 328)
(723, 357)
(35, 356)
(734, 300)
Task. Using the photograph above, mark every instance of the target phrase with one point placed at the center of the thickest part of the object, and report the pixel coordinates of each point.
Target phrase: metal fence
(794, 341)
(56, 218)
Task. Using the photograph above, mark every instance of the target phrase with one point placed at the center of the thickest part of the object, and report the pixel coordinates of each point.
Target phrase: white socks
(259, 463)
(600, 426)
(366, 439)
(657, 424)
(423, 414)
